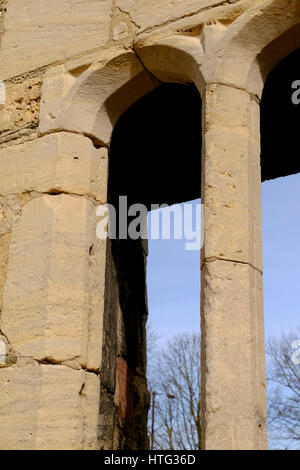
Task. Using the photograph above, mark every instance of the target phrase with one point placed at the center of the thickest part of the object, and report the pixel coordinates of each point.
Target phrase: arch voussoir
(253, 44)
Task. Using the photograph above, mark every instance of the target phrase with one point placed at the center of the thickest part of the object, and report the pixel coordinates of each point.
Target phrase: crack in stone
(54, 192)
(128, 15)
(212, 259)
(228, 85)
(4, 335)
(49, 361)
(134, 49)
(96, 142)
(18, 129)
(189, 15)
(66, 363)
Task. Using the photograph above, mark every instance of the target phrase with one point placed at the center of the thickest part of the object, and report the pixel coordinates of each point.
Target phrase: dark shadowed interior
(155, 151)
(280, 121)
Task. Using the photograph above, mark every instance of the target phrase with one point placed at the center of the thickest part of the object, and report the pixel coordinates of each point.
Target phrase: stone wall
(73, 307)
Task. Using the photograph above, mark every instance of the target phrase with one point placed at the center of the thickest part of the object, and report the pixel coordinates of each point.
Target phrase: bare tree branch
(174, 374)
(283, 393)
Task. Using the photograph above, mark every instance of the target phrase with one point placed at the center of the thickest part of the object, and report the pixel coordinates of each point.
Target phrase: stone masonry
(73, 308)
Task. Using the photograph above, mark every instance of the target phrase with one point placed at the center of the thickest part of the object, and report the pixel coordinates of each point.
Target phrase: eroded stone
(46, 306)
(233, 371)
(48, 407)
(22, 105)
(60, 162)
(37, 35)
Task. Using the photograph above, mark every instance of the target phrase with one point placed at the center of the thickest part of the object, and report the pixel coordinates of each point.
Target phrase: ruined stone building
(110, 97)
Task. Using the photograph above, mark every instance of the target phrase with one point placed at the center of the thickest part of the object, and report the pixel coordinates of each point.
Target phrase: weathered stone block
(93, 105)
(61, 162)
(48, 407)
(37, 35)
(147, 14)
(226, 106)
(231, 177)
(4, 247)
(233, 372)
(46, 306)
(22, 105)
(97, 269)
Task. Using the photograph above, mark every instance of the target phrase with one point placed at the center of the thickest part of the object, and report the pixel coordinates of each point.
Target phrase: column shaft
(232, 324)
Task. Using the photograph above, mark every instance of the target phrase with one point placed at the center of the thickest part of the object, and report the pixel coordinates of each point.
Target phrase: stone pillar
(232, 323)
(51, 318)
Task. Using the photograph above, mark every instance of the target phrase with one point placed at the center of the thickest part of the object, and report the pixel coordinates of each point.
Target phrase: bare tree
(174, 383)
(283, 378)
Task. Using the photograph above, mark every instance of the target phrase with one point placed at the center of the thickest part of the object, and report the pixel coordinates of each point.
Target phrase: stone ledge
(60, 162)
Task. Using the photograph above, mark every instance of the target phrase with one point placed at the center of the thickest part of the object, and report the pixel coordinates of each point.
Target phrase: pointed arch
(103, 92)
(258, 39)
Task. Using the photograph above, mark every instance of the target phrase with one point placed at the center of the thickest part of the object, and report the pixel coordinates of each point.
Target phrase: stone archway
(54, 294)
(92, 103)
(64, 347)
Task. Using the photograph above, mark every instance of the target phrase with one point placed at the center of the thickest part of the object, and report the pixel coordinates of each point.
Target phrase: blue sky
(174, 273)
(281, 239)
(173, 278)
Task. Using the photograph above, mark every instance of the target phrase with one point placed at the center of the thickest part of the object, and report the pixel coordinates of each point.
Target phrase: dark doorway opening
(154, 158)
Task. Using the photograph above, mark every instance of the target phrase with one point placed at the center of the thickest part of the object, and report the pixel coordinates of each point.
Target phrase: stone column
(51, 320)
(232, 323)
